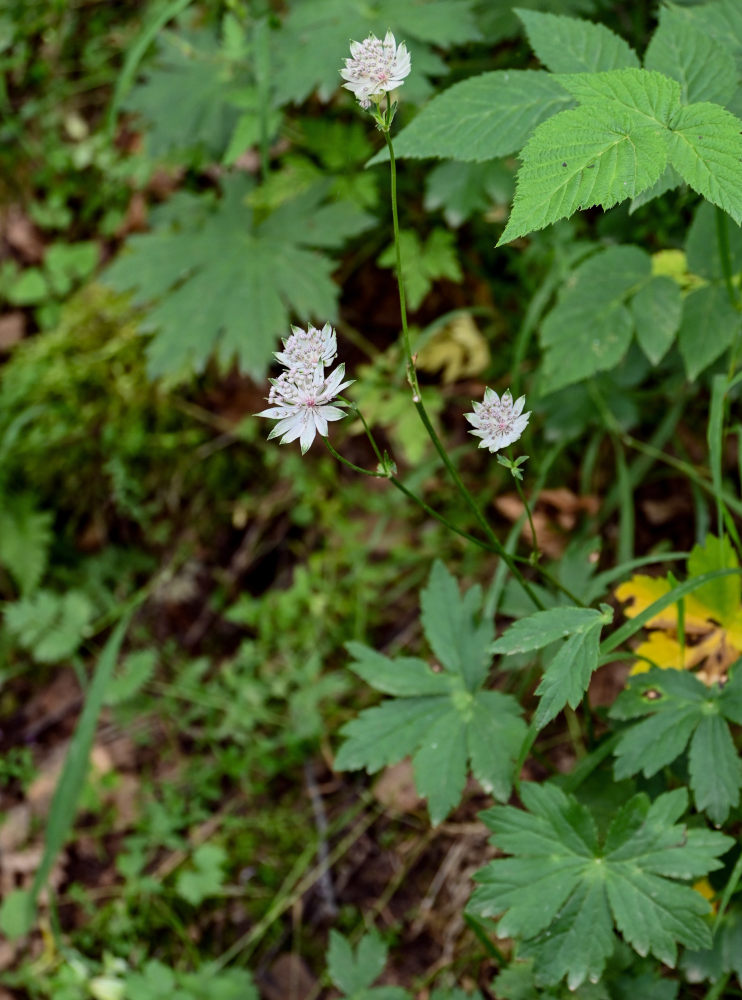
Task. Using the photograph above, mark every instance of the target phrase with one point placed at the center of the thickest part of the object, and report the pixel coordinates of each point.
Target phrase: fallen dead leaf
(22, 236)
(288, 979)
(12, 329)
(556, 514)
(15, 828)
(395, 789)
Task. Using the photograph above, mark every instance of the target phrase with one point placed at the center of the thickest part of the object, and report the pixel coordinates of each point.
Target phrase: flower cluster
(497, 420)
(375, 67)
(299, 398)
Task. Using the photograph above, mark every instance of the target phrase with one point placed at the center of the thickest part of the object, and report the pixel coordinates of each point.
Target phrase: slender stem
(725, 256)
(367, 429)
(356, 468)
(534, 542)
(420, 406)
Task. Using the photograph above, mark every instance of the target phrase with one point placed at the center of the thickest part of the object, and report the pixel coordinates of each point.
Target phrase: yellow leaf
(458, 348)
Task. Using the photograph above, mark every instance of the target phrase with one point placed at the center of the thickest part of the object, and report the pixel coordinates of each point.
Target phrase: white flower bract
(300, 403)
(375, 67)
(497, 420)
(308, 349)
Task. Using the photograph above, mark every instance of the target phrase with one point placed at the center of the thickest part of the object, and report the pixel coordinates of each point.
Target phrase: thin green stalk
(356, 468)
(534, 542)
(717, 990)
(725, 256)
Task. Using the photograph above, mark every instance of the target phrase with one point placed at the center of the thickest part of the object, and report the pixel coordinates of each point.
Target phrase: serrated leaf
(351, 972)
(461, 643)
(722, 19)
(725, 594)
(590, 328)
(187, 64)
(680, 710)
(387, 733)
(404, 676)
(706, 150)
(25, 537)
(486, 117)
(725, 955)
(205, 878)
(314, 40)
(493, 725)
(656, 309)
(544, 627)
(440, 765)
(706, 308)
(668, 181)
(227, 284)
(589, 156)
(568, 44)
(704, 67)
(651, 97)
(50, 626)
(560, 886)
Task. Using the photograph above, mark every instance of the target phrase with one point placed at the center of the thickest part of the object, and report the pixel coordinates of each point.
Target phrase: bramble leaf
(656, 311)
(706, 308)
(562, 894)
(570, 44)
(488, 116)
(568, 674)
(706, 150)
(227, 283)
(423, 263)
(703, 66)
(592, 155)
(444, 719)
(682, 710)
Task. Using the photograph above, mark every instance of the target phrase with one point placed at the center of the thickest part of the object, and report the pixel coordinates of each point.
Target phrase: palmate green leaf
(354, 971)
(703, 66)
(445, 720)
(226, 284)
(561, 893)
(187, 64)
(682, 710)
(423, 263)
(488, 116)
(706, 150)
(590, 328)
(458, 639)
(569, 44)
(49, 626)
(314, 40)
(725, 955)
(581, 158)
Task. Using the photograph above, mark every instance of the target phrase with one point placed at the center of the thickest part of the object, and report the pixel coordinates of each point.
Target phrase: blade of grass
(625, 505)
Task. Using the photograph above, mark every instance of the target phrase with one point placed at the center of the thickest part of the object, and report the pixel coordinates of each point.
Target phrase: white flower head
(308, 349)
(375, 67)
(498, 421)
(300, 403)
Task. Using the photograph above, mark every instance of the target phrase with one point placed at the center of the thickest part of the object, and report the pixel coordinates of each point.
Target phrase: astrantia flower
(308, 349)
(498, 421)
(299, 402)
(375, 67)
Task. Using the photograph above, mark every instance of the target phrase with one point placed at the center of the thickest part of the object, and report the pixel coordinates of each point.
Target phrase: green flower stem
(534, 544)
(354, 409)
(356, 468)
(725, 256)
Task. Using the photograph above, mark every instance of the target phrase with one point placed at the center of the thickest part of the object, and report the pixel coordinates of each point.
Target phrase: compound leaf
(651, 97)
(489, 116)
(590, 328)
(225, 283)
(569, 44)
(50, 626)
(592, 155)
(25, 537)
(440, 765)
(681, 709)
(703, 66)
(387, 733)
(561, 893)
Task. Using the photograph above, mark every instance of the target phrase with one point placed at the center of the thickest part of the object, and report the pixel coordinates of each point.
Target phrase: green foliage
(49, 626)
(423, 263)
(724, 956)
(463, 190)
(353, 972)
(562, 892)
(205, 878)
(158, 981)
(568, 45)
(25, 537)
(444, 719)
(682, 712)
(226, 282)
(567, 676)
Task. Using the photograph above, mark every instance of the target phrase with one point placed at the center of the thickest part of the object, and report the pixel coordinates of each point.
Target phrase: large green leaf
(488, 116)
(225, 283)
(592, 155)
(568, 674)
(705, 309)
(589, 330)
(569, 44)
(681, 710)
(444, 719)
(722, 19)
(706, 150)
(703, 66)
(562, 893)
(656, 310)
(650, 97)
